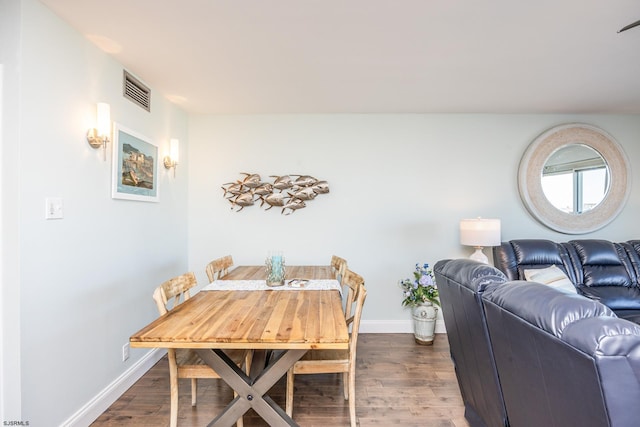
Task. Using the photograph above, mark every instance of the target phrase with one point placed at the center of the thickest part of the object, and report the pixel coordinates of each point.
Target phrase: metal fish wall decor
(288, 192)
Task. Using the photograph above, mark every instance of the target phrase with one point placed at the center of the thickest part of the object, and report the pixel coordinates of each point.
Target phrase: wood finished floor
(397, 382)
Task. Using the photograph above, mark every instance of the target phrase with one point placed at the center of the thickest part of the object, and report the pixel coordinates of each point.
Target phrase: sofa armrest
(615, 346)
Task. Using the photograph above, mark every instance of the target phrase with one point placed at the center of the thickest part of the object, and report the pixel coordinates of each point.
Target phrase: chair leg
(345, 385)
(352, 396)
(248, 359)
(194, 391)
(173, 382)
(289, 393)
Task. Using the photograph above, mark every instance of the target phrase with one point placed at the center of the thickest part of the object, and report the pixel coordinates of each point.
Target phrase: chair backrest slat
(339, 266)
(219, 267)
(174, 291)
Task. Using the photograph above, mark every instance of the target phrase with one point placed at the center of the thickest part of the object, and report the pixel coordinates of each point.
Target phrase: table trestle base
(251, 392)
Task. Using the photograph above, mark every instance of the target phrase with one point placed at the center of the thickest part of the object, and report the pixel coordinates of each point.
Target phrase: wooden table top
(256, 272)
(292, 319)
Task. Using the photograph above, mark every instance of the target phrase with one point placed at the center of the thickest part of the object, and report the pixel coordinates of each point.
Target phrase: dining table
(240, 311)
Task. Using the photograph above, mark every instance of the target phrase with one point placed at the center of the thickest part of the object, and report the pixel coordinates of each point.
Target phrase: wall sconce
(171, 161)
(480, 233)
(99, 136)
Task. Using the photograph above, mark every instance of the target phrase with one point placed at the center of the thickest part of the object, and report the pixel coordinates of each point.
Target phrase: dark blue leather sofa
(528, 355)
(461, 285)
(599, 269)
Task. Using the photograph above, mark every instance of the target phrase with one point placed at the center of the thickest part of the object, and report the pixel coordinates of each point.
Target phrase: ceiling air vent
(135, 91)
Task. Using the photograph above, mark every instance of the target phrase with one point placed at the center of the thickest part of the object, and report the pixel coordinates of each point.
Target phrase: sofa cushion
(600, 263)
(614, 297)
(515, 256)
(547, 308)
(630, 315)
(552, 276)
(632, 248)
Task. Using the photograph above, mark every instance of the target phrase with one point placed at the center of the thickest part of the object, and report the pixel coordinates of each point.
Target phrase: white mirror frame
(530, 178)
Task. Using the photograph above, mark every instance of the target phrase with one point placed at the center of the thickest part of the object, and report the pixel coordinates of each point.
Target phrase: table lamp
(480, 233)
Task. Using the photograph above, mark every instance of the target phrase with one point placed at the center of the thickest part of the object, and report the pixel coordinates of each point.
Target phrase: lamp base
(479, 256)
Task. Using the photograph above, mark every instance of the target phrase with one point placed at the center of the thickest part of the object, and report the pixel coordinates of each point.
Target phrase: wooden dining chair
(185, 363)
(335, 361)
(339, 266)
(219, 267)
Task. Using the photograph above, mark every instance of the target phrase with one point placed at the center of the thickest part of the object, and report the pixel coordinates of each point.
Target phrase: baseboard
(394, 327)
(101, 402)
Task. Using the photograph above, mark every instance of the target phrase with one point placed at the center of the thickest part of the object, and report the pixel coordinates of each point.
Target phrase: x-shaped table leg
(251, 393)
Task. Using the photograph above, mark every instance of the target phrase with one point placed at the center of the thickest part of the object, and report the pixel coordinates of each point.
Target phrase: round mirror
(574, 178)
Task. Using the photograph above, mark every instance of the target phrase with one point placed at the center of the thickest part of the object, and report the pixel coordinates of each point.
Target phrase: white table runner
(261, 285)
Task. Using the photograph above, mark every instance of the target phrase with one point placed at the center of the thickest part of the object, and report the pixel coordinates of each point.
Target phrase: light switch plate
(53, 208)
(125, 352)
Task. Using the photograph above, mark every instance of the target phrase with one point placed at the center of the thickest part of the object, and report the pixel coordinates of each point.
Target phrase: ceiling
(373, 56)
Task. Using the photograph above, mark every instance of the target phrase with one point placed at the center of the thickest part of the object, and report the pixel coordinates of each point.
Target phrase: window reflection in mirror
(575, 178)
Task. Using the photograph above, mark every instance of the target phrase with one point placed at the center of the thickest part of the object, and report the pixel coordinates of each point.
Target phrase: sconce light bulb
(175, 151)
(104, 121)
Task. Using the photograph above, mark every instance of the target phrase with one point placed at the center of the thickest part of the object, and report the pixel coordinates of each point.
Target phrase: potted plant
(421, 294)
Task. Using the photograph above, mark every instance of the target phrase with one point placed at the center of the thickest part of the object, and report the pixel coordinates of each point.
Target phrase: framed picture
(134, 167)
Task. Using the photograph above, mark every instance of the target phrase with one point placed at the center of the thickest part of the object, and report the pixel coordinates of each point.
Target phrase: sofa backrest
(632, 247)
(605, 272)
(561, 358)
(600, 263)
(545, 307)
(599, 269)
(460, 284)
(516, 256)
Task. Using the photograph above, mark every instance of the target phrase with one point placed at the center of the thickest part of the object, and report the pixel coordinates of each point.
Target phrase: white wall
(74, 290)
(85, 281)
(399, 186)
(10, 391)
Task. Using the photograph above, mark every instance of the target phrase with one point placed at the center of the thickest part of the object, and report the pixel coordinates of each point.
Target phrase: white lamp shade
(103, 120)
(174, 151)
(480, 232)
